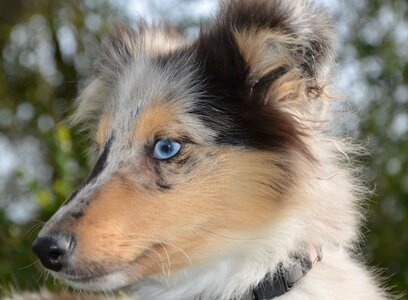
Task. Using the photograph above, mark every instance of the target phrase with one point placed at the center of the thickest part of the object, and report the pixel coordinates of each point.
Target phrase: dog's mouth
(102, 278)
(101, 282)
(78, 279)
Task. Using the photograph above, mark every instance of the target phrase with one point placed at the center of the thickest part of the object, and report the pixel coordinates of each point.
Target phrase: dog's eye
(165, 149)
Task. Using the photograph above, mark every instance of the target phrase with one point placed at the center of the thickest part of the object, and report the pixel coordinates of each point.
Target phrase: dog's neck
(285, 278)
(224, 280)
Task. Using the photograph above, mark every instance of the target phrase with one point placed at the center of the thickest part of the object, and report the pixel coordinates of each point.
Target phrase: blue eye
(165, 149)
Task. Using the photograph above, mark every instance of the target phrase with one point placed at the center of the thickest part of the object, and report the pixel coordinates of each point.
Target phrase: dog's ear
(277, 49)
(89, 104)
(116, 51)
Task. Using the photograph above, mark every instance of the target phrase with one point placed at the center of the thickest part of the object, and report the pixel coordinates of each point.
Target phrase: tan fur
(254, 46)
(119, 234)
(158, 119)
(102, 130)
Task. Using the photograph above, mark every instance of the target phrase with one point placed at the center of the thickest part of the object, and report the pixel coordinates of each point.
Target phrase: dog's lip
(87, 281)
(100, 282)
(82, 279)
(89, 278)
(86, 278)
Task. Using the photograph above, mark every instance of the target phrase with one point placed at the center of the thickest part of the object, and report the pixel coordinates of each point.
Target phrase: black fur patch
(229, 104)
(100, 163)
(97, 169)
(233, 106)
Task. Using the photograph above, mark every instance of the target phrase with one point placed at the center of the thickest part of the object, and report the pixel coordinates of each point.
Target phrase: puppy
(216, 177)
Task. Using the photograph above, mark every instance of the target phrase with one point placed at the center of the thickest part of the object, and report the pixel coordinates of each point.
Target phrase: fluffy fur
(258, 178)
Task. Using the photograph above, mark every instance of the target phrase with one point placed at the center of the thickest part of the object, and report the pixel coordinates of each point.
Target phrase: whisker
(33, 228)
(232, 238)
(168, 258)
(29, 265)
(161, 242)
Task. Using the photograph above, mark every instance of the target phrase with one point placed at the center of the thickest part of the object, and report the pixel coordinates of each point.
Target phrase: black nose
(51, 251)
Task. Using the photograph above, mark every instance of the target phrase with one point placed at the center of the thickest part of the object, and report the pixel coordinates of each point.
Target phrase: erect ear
(115, 53)
(280, 49)
(89, 104)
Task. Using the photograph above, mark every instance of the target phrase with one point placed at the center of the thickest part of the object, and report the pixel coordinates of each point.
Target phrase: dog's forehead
(144, 83)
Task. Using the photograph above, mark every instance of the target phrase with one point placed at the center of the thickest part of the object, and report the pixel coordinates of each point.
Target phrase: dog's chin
(103, 283)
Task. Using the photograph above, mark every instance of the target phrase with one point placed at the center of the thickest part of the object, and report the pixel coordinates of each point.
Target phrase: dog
(216, 174)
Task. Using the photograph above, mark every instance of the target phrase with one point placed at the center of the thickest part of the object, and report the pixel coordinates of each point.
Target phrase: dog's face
(196, 149)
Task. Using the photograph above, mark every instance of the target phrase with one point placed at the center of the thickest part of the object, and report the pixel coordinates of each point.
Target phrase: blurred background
(46, 47)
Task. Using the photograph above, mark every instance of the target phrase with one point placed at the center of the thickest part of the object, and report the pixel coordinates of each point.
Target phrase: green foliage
(14, 256)
(385, 126)
(46, 48)
(35, 99)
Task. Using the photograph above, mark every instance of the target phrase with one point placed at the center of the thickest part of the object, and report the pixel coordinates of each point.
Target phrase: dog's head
(197, 141)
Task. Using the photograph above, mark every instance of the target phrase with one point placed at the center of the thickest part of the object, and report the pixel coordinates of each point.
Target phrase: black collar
(285, 278)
